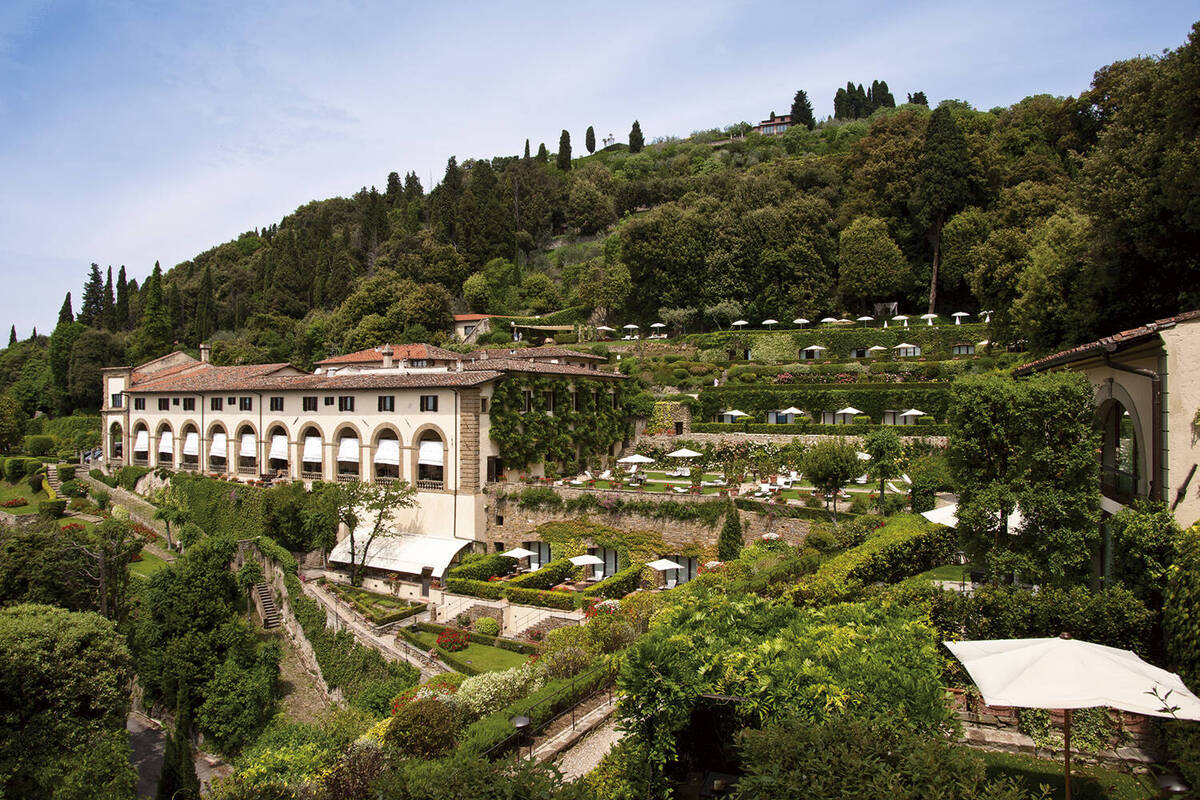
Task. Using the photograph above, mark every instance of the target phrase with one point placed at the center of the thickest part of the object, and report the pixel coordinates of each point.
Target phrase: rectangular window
(549, 396)
(419, 362)
(174, 401)
(310, 403)
(483, 405)
(189, 404)
(387, 402)
(216, 404)
(429, 402)
(574, 401)
(277, 404)
(232, 401)
(526, 401)
(116, 401)
(164, 404)
(139, 404)
(329, 400)
(245, 404)
(346, 402)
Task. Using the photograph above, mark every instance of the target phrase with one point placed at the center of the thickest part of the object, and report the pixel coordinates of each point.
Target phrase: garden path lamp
(520, 723)
(1064, 673)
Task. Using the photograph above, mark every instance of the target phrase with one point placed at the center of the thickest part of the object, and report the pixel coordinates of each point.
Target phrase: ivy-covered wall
(567, 434)
(783, 346)
(872, 399)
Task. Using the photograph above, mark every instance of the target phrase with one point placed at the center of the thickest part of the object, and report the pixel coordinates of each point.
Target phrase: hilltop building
(774, 125)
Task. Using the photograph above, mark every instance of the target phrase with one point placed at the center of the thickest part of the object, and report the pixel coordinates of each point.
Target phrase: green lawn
(8, 491)
(948, 572)
(378, 608)
(1087, 782)
(149, 565)
(480, 656)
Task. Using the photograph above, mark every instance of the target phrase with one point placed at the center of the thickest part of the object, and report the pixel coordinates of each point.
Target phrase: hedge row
(483, 567)
(452, 659)
(547, 577)
(789, 511)
(812, 429)
(619, 585)
(871, 398)
(493, 641)
(500, 590)
(126, 477)
(18, 467)
(545, 498)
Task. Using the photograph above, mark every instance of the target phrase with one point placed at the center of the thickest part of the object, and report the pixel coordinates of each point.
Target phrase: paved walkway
(568, 736)
(147, 741)
(587, 754)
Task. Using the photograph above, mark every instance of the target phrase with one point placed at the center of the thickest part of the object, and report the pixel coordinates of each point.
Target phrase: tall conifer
(526, 149)
(65, 314)
(802, 112)
(589, 139)
(564, 151)
(12, 336)
(92, 306)
(945, 183)
(121, 306)
(108, 303)
(636, 141)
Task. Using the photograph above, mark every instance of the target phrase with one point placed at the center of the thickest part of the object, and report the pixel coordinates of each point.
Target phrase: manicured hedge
(546, 498)
(871, 398)
(496, 590)
(792, 512)
(52, 509)
(812, 429)
(128, 476)
(481, 638)
(108, 480)
(484, 589)
(483, 567)
(66, 472)
(619, 585)
(548, 576)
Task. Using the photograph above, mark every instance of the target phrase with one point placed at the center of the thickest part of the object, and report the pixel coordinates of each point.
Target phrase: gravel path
(583, 757)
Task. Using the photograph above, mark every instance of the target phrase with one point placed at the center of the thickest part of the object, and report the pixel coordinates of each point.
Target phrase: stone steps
(270, 612)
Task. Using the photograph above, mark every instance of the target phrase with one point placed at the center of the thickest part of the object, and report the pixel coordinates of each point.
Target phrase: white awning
(407, 553)
(664, 564)
(430, 453)
(851, 410)
(249, 448)
(218, 447)
(312, 449)
(166, 442)
(279, 447)
(141, 443)
(191, 444)
(348, 449)
(388, 452)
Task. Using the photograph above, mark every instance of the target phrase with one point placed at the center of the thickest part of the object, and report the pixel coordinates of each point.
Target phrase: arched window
(348, 456)
(387, 456)
(190, 450)
(218, 450)
(431, 461)
(141, 445)
(1120, 463)
(247, 449)
(277, 456)
(312, 460)
(116, 442)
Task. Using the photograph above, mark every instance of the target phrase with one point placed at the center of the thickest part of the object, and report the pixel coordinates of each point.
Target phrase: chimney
(387, 356)
(205, 353)
(458, 365)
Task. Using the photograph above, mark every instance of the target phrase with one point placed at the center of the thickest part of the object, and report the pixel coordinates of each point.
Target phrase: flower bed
(453, 640)
(379, 609)
(481, 638)
(16, 502)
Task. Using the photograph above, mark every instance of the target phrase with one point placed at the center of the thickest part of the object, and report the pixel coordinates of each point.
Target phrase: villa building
(1147, 398)
(416, 413)
(774, 125)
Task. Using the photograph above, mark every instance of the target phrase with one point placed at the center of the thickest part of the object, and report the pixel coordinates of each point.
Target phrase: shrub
(453, 640)
(729, 543)
(14, 469)
(35, 481)
(619, 585)
(482, 567)
(564, 601)
(488, 626)
(52, 509)
(39, 445)
(548, 576)
(489, 691)
(822, 539)
(128, 476)
(66, 472)
(101, 498)
(72, 488)
(425, 728)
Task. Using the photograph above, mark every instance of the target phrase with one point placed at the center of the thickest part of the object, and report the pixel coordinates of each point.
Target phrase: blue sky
(135, 131)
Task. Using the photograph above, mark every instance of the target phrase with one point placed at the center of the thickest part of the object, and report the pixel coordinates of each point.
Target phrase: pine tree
(729, 542)
(412, 188)
(33, 336)
(527, 149)
(64, 313)
(589, 140)
(564, 151)
(121, 307)
(92, 306)
(543, 154)
(108, 310)
(153, 335)
(883, 95)
(841, 105)
(12, 336)
(918, 98)
(636, 142)
(802, 112)
(395, 190)
(178, 779)
(945, 183)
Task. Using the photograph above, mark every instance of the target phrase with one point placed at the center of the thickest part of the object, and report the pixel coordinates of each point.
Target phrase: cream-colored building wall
(1182, 388)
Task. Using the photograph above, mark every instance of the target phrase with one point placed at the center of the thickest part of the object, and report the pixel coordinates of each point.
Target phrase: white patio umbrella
(815, 347)
(901, 318)
(828, 319)
(790, 410)
(903, 345)
(683, 452)
(664, 564)
(843, 322)
(585, 560)
(799, 321)
(636, 458)
(630, 326)
(1068, 674)
(984, 343)
(739, 323)
(865, 318)
(958, 315)
(519, 552)
(658, 325)
(605, 328)
(875, 348)
(734, 413)
(987, 315)
(851, 410)
(770, 322)
(929, 318)
(912, 412)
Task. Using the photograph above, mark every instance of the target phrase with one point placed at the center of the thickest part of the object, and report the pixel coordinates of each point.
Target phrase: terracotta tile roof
(521, 353)
(474, 317)
(400, 351)
(140, 376)
(242, 379)
(210, 377)
(540, 367)
(1107, 344)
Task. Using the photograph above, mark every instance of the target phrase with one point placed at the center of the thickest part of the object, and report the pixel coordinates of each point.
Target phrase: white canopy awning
(388, 452)
(407, 553)
(912, 412)
(191, 444)
(279, 447)
(248, 449)
(312, 449)
(430, 453)
(141, 442)
(636, 458)
(948, 516)
(664, 564)
(519, 552)
(166, 442)
(585, 560)
(683, 452)
(851, 410)
(348, 449)
(219, 446)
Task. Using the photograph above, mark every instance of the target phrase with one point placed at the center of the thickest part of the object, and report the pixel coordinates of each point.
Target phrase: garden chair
(606, 475)
(894, 488)
(597, 574)
(679, 490)
(671, 583)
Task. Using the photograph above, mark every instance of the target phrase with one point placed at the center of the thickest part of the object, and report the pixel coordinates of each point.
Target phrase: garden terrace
(873, 400)
(379, 609)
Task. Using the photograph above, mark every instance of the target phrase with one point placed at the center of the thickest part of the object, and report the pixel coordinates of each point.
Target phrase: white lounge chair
(671, 583)
(679, 489)
(597, 574)
(606, 475)
(861, 479)
(894, 488)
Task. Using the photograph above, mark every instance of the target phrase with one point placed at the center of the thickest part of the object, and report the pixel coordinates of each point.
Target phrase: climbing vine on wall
(567, 434)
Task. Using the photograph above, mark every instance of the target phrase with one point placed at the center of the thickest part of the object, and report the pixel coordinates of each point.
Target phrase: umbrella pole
(1067, 749)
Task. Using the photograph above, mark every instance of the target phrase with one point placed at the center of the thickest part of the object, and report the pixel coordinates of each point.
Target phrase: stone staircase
(52, 479)
(270, 612)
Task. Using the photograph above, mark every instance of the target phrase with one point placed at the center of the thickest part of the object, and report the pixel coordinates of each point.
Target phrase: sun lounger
(679, 490)
(606, 475)
(893, 487)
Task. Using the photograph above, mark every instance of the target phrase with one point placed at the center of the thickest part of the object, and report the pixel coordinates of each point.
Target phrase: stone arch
(429, 476)
(142, 456)
(219, 453)
(386, 470)
(1113, 402)
(306, 464)
(246, 464)
(188, 460)
(165, 457)
(116, 441)
(274, 461)
(349, 469)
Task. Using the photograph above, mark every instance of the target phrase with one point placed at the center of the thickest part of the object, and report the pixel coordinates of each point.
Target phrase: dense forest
(1068, 217)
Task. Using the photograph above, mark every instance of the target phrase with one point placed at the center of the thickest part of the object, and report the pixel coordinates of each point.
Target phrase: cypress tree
(154, 327)
(564, 151)
(12, 336)
(729, 543)
(92, 306)
(527, 148)
(33, 336)
(636, 141)
(64, 313)
(108, 310)
(395, 190)
(412, 188)
(841, 106)
(121, 307)
(589, 140)
(944, 183)
(802, 112)
(543, 154)
(205, 307)
(178, 779)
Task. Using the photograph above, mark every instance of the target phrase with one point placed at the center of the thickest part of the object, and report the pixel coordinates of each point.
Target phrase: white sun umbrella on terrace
(658, 325)
(739, 323)
(799, 321)
(1064, 673)
(636, 458)
(984, 343)
(815, 347)
(664, 564)
(903, 345)
(958, 317)
(585, 560)
(865, 318)
(630, 327)
(875, 348)
(790, 411)
(849, 410)
(519, 552)
(901, 318)
(912, 412)
(987, 315)
(684, 452)
(843, 322)
(929, 318)
(828, 320)
(770, 322)
(605, 328)
(734, 413)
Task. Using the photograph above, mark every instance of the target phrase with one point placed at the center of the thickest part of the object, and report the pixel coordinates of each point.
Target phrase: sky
(134, 132)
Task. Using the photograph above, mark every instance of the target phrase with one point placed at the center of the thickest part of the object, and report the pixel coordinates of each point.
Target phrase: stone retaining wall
(139, 510)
